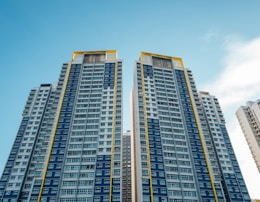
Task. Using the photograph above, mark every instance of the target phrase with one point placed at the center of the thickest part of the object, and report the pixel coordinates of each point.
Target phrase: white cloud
(239, 82)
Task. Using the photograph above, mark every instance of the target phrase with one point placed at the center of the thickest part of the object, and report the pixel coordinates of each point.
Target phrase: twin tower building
(69, 146)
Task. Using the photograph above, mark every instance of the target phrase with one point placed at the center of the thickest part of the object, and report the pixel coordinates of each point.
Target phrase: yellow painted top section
(177, 61)
(110, 54)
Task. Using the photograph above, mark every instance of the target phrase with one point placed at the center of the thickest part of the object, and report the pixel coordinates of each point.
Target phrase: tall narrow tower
(176, 153)
(126, 167)
(68, 147)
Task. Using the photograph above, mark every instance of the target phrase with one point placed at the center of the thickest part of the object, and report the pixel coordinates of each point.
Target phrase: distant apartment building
(126, 167)
(249, 120)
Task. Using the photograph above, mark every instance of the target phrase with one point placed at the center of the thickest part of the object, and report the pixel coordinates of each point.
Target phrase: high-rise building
(249, 120)
(181, 148)
(126, 167)
(224, 165)
(68, 146)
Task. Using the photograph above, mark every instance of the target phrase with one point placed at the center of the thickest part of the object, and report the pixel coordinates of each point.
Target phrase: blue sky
(216, 39)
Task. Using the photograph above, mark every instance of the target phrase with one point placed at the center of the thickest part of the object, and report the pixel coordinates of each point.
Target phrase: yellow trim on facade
(147, 135)
(55, 129)
(113, 134)
(200, 133)
(175, 59)
(107, 52)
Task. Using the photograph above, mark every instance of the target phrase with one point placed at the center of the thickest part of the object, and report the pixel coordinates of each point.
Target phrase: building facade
(68, 147)
(126, 167)
(223, 163)
(181, 150)
(249, 120)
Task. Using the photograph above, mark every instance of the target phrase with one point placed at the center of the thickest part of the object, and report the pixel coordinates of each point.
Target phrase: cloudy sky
(218, 40)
